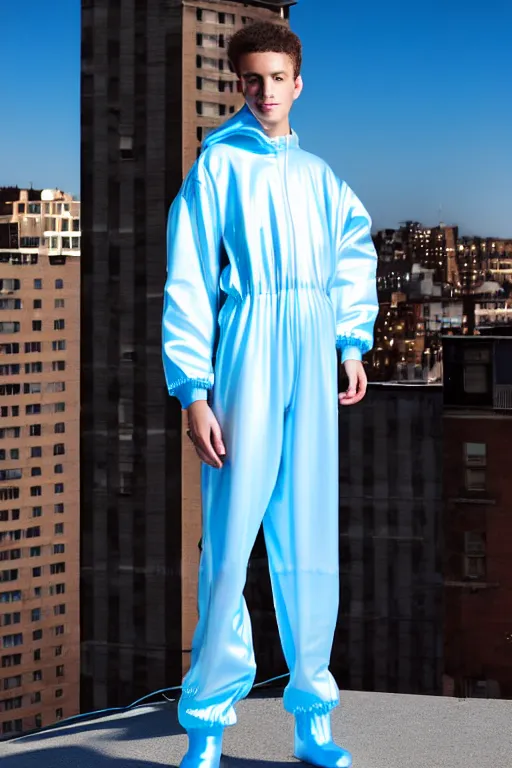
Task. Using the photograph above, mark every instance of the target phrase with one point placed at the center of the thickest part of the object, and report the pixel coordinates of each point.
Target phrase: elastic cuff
(351, 353)
(188, 394)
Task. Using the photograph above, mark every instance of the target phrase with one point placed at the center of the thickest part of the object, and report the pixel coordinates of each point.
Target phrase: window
(38, 720)
(38, 304)
(11, 641)
(59, 610)
(59, 346)
(37, 571)
(11, 660)
(476, 379)
(34, 368)
(10, 304)
(38, 284)
(59, 629)
(59, 713)
(56, 386)
(59, 693)
(9, 327)
(35, 551)
(125, 149)
(34, 208)
(9, 349)
(59, 549)
(75, 242)
(36, 451)
(36, 697)
(35, 471)
(59, 303)
(33, 532)
(35, 430)
(475, 555)
(57, 568)
(9, 432)
(36, 616)
(37, 634)
(58, 509)
(36, 490)
(475, 479)
(37, 325)
(59, 671)
(12, 682)
(59, 449)
(59, 284)
(59, 428)
(32, 408)
(54, 243)
(21, 207)
(37, 654)
(59, 488)
(33, 346)
(58, 469)
(475, 454)
(37, 511)
(14, 453)
(58, 528)
(59, 325)
(37, 591)
(65, 225)
(59, 407)
(37, 676)
(66, 242)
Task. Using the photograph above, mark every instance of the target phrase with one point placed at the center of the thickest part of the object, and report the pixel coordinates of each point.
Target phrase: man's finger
(217, 442)
(206, 447)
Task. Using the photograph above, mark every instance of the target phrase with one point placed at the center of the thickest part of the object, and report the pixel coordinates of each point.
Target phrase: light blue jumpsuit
(299, 280)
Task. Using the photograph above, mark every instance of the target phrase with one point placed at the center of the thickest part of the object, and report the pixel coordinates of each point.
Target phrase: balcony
(380, 729)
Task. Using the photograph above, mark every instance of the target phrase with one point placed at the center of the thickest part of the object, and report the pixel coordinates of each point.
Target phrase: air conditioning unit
(503, 397)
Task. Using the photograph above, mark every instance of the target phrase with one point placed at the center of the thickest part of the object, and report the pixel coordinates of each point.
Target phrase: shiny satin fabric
(299, 281)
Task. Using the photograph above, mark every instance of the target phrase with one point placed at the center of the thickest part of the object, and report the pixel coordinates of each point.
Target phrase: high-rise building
(477, 522)
(39, 442)
(155, 79)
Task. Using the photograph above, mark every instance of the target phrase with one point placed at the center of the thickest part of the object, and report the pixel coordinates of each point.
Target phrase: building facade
(155, 79)
(477, 522)
(39, 442)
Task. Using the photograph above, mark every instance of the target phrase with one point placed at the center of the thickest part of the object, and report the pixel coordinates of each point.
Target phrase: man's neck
(277, 131)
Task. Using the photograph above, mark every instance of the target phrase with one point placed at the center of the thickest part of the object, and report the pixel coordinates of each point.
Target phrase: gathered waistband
(253, 293)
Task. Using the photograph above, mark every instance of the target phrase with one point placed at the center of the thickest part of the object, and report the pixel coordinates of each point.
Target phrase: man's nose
(268, 89)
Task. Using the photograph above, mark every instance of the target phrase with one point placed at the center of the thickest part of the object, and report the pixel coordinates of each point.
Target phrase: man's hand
(206, 434)
(357, 383)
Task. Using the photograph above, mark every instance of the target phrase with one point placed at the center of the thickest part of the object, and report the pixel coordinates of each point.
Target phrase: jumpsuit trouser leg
(282, 471)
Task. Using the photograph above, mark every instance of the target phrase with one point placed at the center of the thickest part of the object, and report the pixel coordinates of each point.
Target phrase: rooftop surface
(381, 730)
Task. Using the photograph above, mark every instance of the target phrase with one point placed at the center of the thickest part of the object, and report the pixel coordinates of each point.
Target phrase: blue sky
(408, 101)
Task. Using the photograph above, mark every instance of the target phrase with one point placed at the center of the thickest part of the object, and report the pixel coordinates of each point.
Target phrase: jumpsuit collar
(244, 129)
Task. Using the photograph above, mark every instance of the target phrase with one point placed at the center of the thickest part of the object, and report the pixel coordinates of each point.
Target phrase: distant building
(390, 625)
(477, 514)
(39, 457)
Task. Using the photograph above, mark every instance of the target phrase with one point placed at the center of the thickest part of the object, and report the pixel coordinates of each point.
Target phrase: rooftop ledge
(381, 730)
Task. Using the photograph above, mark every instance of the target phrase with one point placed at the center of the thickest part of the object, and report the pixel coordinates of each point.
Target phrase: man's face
(270, 88)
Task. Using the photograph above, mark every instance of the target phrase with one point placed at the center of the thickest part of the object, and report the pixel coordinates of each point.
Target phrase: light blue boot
(314, 743)
(204, 748)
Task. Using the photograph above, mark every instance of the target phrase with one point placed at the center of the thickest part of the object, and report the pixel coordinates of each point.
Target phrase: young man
(298, 280)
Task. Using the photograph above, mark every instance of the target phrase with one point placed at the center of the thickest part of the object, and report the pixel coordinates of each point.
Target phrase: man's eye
(280, 79)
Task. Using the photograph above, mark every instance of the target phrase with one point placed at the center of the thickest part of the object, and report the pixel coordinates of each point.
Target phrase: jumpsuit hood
(243, 130)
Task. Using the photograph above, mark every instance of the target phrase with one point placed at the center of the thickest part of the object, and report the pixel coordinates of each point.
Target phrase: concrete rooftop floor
(381, 730)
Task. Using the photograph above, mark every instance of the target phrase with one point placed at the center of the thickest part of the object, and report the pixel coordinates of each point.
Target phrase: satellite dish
(47, 194)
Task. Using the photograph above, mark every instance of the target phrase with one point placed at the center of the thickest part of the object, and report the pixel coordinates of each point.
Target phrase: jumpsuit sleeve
(355, 283)
(191, 292)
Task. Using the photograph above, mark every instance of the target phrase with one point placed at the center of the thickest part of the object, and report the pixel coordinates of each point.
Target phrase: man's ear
(299, 85)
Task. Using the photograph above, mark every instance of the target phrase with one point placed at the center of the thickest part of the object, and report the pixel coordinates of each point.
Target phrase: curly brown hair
(265, 37)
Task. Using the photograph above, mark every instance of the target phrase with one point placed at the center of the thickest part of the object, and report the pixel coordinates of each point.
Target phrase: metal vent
(503, 397)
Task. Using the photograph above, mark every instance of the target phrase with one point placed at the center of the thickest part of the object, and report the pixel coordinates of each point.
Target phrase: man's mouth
(267, 107)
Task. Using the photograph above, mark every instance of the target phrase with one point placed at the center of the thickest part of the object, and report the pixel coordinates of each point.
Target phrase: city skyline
(417, 143)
